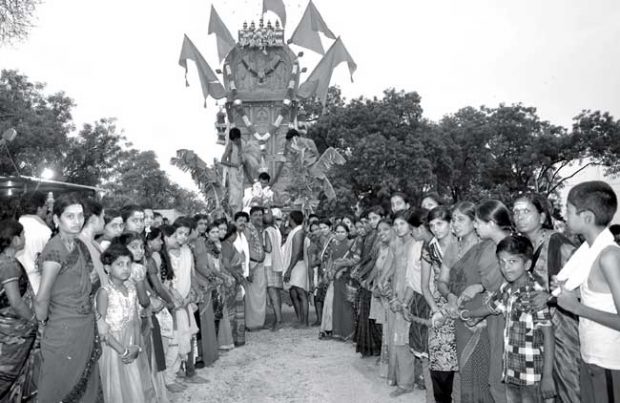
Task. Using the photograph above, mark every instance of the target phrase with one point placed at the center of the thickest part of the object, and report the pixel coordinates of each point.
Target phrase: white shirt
(242, 246)
(37, 234)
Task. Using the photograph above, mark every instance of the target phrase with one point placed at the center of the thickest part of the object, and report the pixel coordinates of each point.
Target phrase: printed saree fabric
(18, 355)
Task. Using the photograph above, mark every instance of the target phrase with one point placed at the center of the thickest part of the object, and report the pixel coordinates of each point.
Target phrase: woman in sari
(382, 273)
(337, 309)
(441, 251)
(18, 327)
(492, 224)
(367, 332)
(401, 364)
(232, 263)
(472, 343)
(224, 295)
(551, 251)
(70, 345)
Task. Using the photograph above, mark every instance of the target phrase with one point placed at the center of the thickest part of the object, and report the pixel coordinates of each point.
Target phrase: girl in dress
(162, 303)
(123, 364)
(149, 325)
(442, 250)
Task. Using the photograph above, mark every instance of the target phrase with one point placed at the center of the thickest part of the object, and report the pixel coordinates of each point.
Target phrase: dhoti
(256, 297)
(299, 277)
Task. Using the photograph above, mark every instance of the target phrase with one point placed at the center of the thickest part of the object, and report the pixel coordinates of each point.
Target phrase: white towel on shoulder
(577, 270)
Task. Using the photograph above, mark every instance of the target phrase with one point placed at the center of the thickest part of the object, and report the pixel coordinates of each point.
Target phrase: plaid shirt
(523, 336)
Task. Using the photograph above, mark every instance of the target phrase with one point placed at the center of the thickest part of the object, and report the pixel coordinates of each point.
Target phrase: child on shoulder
(528, 335)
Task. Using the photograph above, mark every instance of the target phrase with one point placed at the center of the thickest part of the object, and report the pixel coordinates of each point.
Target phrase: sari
(367, 336)
(401, 358)
(472, 344)
(232, 262)
(223, 300)
(207, 337)
(491, 279)
(337, 310)
(381, 304)
(549, 257)
(70, 344)
(19, 358)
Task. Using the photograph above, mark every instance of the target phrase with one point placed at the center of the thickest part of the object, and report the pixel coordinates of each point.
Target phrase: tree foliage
(485, 152)
(97, 155)
(16, 18)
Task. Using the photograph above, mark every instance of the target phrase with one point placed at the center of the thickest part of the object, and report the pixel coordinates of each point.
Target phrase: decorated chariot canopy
(260, 84)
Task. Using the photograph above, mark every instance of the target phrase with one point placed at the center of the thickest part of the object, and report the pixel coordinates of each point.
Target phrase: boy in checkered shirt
(528, 335)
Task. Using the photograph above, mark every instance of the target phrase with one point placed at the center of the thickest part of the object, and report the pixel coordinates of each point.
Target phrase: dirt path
(292, 365)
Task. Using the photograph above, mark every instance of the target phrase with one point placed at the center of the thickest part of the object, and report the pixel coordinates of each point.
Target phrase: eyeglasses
(519, 212)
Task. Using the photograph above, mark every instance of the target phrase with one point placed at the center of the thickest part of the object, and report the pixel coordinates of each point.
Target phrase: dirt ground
(292, 365)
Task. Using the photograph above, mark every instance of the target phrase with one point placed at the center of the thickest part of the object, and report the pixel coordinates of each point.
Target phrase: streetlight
(47, 174)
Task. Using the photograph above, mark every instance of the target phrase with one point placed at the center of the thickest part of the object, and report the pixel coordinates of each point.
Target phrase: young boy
(591, 207)
(528, 336)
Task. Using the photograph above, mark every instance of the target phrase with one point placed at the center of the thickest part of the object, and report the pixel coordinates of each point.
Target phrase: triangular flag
(277, 6)
(318, 82)
(208, 80)
(307, 32)
(225, 41)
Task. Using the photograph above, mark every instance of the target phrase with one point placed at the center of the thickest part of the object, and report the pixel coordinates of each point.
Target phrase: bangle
(461, 315)
(125, 353)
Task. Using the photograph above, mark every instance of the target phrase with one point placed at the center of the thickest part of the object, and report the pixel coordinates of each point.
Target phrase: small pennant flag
(307, 32)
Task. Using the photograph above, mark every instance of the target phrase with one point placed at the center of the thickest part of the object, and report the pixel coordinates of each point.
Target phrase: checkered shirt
(523, 335)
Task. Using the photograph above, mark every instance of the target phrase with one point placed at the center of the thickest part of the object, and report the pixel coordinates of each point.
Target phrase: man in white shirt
(35, 209)
(241, 243)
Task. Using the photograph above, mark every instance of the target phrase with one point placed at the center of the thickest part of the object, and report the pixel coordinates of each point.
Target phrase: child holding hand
(528, 336)
(124, 367)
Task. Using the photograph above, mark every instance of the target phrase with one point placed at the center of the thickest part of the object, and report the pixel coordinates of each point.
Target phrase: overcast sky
(119, 58)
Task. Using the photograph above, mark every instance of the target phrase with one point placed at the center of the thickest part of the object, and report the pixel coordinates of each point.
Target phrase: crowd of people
(473, 302)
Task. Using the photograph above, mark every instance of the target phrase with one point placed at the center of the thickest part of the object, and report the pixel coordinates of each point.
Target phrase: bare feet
(195, 379)
(399, 391)
(176, 387)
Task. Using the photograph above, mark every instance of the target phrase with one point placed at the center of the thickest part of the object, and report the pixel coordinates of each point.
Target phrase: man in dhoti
(234, 161)
(274, 264)
(256, 293)
(296, 274)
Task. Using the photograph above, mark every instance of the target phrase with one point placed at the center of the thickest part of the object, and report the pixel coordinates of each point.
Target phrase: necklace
(68, 242)
(539, 238)
(465, 245)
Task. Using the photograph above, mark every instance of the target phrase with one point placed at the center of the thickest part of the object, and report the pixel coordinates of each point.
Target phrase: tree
(94, 153)
(388, 147)
(43, 123)
(476, 153)
(139, 179)
(16, 17)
